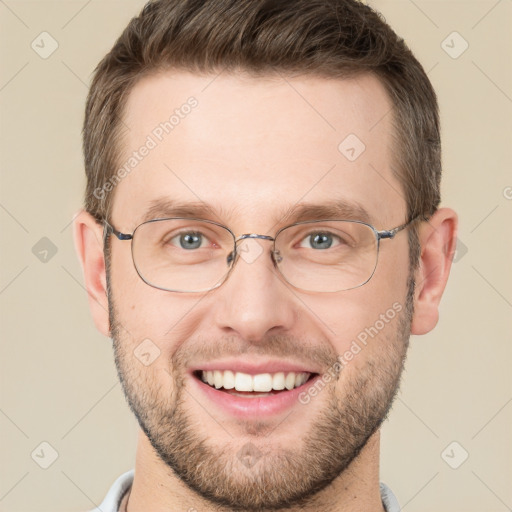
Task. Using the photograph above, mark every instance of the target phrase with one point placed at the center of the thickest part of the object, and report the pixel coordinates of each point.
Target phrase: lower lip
(253, 407)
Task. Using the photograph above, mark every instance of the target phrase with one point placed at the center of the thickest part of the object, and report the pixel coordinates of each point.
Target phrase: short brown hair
(330, 38)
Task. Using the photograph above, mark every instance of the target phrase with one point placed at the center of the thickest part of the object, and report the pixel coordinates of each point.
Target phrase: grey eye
(189, 240)
(319, 240)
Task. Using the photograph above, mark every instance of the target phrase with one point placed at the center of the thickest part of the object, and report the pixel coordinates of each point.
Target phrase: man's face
(253, 149)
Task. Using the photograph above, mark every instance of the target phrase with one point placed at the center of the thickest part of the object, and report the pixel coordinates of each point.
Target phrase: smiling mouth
(247, 385)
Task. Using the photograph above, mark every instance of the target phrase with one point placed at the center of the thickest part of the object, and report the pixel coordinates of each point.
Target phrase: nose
(255, 299)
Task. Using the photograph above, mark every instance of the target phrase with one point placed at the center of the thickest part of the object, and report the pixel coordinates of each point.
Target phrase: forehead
(252, 148)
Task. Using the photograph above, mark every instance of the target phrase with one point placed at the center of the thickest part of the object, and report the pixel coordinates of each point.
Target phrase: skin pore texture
(253, 148)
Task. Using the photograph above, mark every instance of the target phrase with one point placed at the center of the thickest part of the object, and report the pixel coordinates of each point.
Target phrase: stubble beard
(272, 478)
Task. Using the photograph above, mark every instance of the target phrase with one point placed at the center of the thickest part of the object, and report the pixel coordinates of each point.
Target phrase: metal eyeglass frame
(275, 254)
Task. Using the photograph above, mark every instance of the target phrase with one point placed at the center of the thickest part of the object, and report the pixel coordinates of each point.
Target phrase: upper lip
(255, 368)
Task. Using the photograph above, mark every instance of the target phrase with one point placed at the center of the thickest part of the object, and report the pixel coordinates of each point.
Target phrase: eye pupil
(190, 241)
(321, 240)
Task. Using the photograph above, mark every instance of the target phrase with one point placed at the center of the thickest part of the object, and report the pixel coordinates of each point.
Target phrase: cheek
(145, 312)
(364, 320)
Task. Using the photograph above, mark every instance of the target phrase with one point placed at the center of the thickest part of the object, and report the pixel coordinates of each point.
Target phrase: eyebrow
(165, 207)
(330, 210)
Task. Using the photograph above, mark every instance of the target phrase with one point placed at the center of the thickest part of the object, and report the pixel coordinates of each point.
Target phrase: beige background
(58, 381)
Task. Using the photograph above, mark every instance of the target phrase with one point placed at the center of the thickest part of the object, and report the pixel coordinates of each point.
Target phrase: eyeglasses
(197, 255)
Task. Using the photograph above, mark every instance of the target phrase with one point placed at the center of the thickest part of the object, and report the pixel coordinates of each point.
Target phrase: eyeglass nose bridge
(276, 255)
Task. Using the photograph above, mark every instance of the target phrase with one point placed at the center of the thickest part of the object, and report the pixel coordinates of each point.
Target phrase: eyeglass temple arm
(390, 233)
(109, 229)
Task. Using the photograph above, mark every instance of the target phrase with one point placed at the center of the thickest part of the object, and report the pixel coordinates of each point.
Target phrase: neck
(157, 488)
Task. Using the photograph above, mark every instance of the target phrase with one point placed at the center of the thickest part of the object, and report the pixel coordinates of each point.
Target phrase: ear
(438, 243)
(88, 235)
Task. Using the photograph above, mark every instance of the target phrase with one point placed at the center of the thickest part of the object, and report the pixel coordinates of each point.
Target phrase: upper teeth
(261, 382)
